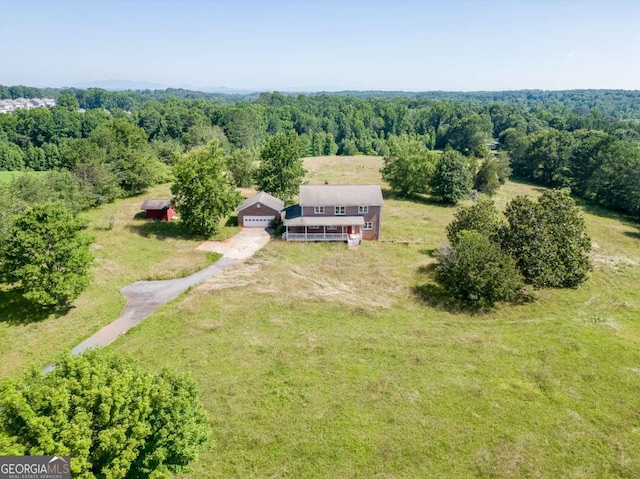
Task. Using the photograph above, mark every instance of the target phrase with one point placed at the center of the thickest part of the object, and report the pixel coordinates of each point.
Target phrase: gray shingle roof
(262, 198)
(343, 195)
(156, 205)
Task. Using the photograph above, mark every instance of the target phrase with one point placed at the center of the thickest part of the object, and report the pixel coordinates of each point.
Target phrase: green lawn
(8, 175)
(318, 361)
(127, 249)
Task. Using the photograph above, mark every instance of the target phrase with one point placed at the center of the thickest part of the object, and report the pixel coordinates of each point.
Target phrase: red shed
(158, 210)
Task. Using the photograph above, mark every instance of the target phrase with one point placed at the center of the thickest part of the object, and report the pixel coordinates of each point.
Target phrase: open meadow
(6, 176)
(314, 360)
(318, 361)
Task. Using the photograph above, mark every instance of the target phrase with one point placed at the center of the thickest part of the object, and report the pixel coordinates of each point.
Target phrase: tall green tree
(469, 134)
(487, 179)
(203, 190)
(281, 172)
(615, 182)
(408, 165)
(546, 158)
(548, 240)
(241, 164)
(68, 101)
(245, 125)
(47, 255)
(11, 157)
(112, 418)
(129, 154)
(482, 217)
(452, 180)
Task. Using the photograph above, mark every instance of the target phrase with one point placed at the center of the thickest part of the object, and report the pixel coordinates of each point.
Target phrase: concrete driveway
(242, 246)
(144, 297)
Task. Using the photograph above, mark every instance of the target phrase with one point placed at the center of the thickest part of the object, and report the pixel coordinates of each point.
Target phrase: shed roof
(262, 198)
(156, 205)
(325, 221)
(343, 195)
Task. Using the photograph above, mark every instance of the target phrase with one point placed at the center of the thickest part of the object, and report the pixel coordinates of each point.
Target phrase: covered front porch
(324, 228)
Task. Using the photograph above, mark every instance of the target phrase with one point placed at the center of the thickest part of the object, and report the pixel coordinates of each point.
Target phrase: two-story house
(335, 213)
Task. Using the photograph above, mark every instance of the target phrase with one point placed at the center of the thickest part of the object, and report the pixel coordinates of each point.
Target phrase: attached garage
(256, 221)
(259, 210)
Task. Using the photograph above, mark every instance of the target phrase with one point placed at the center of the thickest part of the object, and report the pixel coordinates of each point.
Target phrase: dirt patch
(241, 276)
(613, 261)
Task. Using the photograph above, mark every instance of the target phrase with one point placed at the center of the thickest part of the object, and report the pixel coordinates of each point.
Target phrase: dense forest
(114, 144)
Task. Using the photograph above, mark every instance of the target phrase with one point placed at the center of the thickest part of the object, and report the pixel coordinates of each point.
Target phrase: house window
(368, 225)
(318, 210)
(363, 210)
(314, 227)
(341, 210)
(332, 227)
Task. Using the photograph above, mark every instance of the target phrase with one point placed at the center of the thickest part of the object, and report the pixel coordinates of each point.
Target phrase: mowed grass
(6, 176)
(318, 361)
(126, 249)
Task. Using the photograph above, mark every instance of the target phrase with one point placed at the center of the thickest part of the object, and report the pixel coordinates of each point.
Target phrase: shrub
(476, 272)
(482, 217)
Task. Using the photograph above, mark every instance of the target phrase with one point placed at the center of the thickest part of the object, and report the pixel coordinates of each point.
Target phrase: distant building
(9, 106)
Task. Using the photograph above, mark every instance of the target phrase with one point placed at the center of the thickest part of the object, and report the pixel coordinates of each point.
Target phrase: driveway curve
(144, 297)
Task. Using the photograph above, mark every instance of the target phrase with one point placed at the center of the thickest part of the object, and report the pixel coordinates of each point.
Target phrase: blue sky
(324, 45)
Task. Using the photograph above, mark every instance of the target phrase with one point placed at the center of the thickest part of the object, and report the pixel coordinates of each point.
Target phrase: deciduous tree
(452, 179)
(408, 165)
(111, 417)
(482, 217)
(241, 166)
(203, 191)
(487, 180)
(129, 155)
(47, 255)
(281, 170)
(548, 240)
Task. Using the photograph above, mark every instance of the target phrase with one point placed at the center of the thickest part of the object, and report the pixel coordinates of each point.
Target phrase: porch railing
(317, 237)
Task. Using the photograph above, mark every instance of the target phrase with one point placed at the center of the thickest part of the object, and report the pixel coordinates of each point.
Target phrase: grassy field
(318, 361)
(127, 249)
(8, 175)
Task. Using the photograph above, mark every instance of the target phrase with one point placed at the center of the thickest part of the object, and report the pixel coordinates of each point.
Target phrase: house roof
(262, 198)
(156, 205)
(343, 195)
(325, 221)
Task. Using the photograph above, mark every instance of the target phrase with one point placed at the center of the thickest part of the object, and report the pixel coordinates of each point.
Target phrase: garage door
(257, 221)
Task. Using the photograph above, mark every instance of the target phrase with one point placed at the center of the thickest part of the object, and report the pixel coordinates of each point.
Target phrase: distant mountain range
(121, 85)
